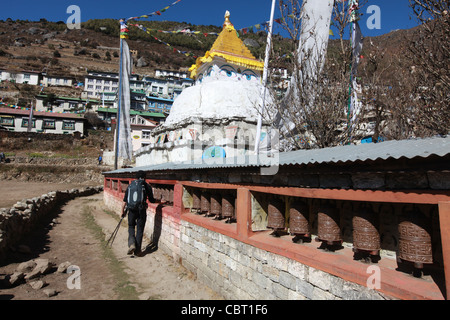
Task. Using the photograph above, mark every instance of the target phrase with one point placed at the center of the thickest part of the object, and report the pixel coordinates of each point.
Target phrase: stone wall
(241, 271)
(21, 218)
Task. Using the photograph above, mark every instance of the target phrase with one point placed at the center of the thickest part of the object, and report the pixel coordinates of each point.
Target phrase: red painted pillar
(444, 221)
(244, 213)
(178, 198)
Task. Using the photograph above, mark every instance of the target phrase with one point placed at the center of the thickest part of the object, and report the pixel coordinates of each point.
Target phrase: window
(26, 77)
(7, 121)
(66, 81)
(48, 124)
(68, 125)
(90, 80)
(98, 87)
(25, 123)
(90, 86)
(145, 134)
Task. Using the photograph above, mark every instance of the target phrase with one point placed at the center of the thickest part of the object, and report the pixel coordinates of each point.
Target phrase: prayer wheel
(165, 194)
(196, 202)
(298, 220)
(157, 193)
(276, 218)
(216, 205)
(328, 230)
(366, 237)
(415, 238)
(205, 206)
(171, 195)
(228, 207)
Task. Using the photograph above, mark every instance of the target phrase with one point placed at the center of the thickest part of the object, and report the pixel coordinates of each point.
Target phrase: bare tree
(429, 50)
(315, 109)
(377, 92)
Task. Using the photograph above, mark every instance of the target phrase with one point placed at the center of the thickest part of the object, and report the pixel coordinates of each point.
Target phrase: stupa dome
(228, 82)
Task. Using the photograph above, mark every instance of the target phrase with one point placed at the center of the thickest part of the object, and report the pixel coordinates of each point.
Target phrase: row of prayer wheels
(163, 193)
(414, 229)
(217, 203)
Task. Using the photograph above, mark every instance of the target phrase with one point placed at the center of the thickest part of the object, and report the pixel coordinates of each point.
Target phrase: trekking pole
(113, 235)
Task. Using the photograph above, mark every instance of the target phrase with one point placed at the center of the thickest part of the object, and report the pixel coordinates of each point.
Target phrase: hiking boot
(131, 249)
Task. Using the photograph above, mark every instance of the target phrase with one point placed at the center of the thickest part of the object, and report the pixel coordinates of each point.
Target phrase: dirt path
(78, 236)
(12, 191)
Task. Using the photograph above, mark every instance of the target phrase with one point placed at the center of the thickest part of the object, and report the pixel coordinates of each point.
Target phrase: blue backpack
(136, 195)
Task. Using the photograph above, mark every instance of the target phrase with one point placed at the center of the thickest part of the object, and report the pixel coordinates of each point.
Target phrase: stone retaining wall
(55, 161)
(241, 271)
(21, 218)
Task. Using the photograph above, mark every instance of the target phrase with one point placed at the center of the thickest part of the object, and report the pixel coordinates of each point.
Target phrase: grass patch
(36, 155)
(124, 288)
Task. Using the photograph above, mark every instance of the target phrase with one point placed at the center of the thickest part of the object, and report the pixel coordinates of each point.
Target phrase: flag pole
(116, 156)
(350, 84)
(30, 117)
(264, 80)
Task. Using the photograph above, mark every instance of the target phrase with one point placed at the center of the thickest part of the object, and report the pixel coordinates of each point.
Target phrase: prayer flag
(125, 147)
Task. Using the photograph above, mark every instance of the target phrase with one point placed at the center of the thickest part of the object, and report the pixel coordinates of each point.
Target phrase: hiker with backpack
(135, 204)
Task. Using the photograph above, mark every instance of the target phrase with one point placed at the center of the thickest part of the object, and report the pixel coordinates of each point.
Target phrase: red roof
(13, 111)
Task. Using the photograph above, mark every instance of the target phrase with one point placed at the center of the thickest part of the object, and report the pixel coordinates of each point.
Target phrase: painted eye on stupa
(228, 71)
(249, 75)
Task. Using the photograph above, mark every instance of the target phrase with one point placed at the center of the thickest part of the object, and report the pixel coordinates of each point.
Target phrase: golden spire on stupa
(229, 46)
(227, 20)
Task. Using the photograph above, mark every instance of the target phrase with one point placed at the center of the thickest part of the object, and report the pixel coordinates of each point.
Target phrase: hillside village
(70, 77)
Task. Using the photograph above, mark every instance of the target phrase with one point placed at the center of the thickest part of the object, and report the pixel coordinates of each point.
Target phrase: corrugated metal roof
(395, 149)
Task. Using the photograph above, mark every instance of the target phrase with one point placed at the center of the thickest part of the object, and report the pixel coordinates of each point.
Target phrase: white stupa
(217, 116)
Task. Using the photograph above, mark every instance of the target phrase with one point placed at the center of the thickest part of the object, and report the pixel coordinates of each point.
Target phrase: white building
(161, 73)
(22, 77)
(61, 104)
(46, 122)
(97, 82)
(57, 80)
(141, 131)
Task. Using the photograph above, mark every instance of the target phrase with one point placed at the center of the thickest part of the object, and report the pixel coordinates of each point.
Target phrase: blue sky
(395, 14)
